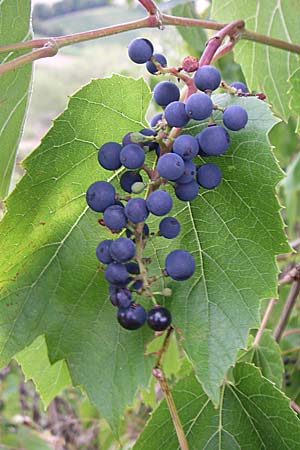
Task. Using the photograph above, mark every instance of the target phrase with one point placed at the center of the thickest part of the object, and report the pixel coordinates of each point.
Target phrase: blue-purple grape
(103, 253)
(207, 78)
(159, 202)
(128, 178)
(209, 175)
(132, 156)
(180, 265)
(140, 50)
(169, 227)
(109, 155)
(161, 59)
(240, 85)
(187, 192)
(159, 318)
(166, 92)
(213, 140)
(199, 106)
(100, 195)
(155, 119)
(114, 217)
(120, 297)
(186, 146)
(170, 166)
(188, 174)
(116, 273)
(122, 250)
(132, 317)
(132, 268)
(176, 115)
(136, 210)
(235, 117)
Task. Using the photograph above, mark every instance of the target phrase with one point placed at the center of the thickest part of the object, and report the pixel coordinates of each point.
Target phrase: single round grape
(138, 187)
(187, 192)
(100, 195)
(155, 119)
(175, 114)
(161, 59)
(159, 318)
(188, 174)
(152, 145)
(207, 78)
(138, 284)
(166, 92)
(127, 139)
(213, 140)
(169, 227)
(240, 85)
(170, 166)
(109, 155)
(114, 217)
(132, 317)
(102, 251)
(132, 156)
(180, 265)
(122, 249)
(140, 50)
(159, 202)
(209, 175)
(132, 268)
(136, 210)
(186, 146)
(120, 297)
(128, 178)
(116, 273)
(199, 106)
(235, 117)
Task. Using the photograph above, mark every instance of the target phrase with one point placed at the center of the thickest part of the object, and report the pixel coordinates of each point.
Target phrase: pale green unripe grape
(138, 187)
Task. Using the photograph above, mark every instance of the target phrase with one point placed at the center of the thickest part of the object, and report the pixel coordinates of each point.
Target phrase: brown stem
(149, 5)
(224, 49)
(290, 350)
(289, 304)
(264, 321)
(291, 331)
(45, 52)
(291, 275)
(294, 406)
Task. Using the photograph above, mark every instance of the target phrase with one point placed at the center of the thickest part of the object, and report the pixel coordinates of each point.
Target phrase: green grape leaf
(291, 190)
(259, 62)
(267, 356)
(195, 37)
(253, 414)
(14, 86)
(294, 92)
(48, 379)
(51, 282)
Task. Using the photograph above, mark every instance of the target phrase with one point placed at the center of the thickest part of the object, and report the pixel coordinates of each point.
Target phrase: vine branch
(289, 304)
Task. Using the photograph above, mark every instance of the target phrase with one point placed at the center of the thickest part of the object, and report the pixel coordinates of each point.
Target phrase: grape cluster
(125, 267)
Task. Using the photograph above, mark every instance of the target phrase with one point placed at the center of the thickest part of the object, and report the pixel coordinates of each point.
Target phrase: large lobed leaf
(266, 68)
(253, 414)
(14, 86)
(50, 280)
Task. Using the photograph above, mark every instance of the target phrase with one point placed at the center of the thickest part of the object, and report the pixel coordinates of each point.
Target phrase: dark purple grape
(100, 195)
(122, 249)
(240, 85)
(132, 317)
(159, 318)
(136, 210)
(159, 202)
(114, 217)
(103, 253)
(116, 273)
(170, 166)
(176, 115)
(132, 156)
(161, 59)
(213, 140)
(186, 146)
(180, 265)
(140, 50)
(138, 284)
(109, 155)
(235, 117)
(187, 192)
(132, 268)
(209, 175)
(120, 297)
(188, 174)
(166, 92)
(128, 178)
(199, 106)
(169, 227)
(127, 139)
(155, 119)
(207, 78)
